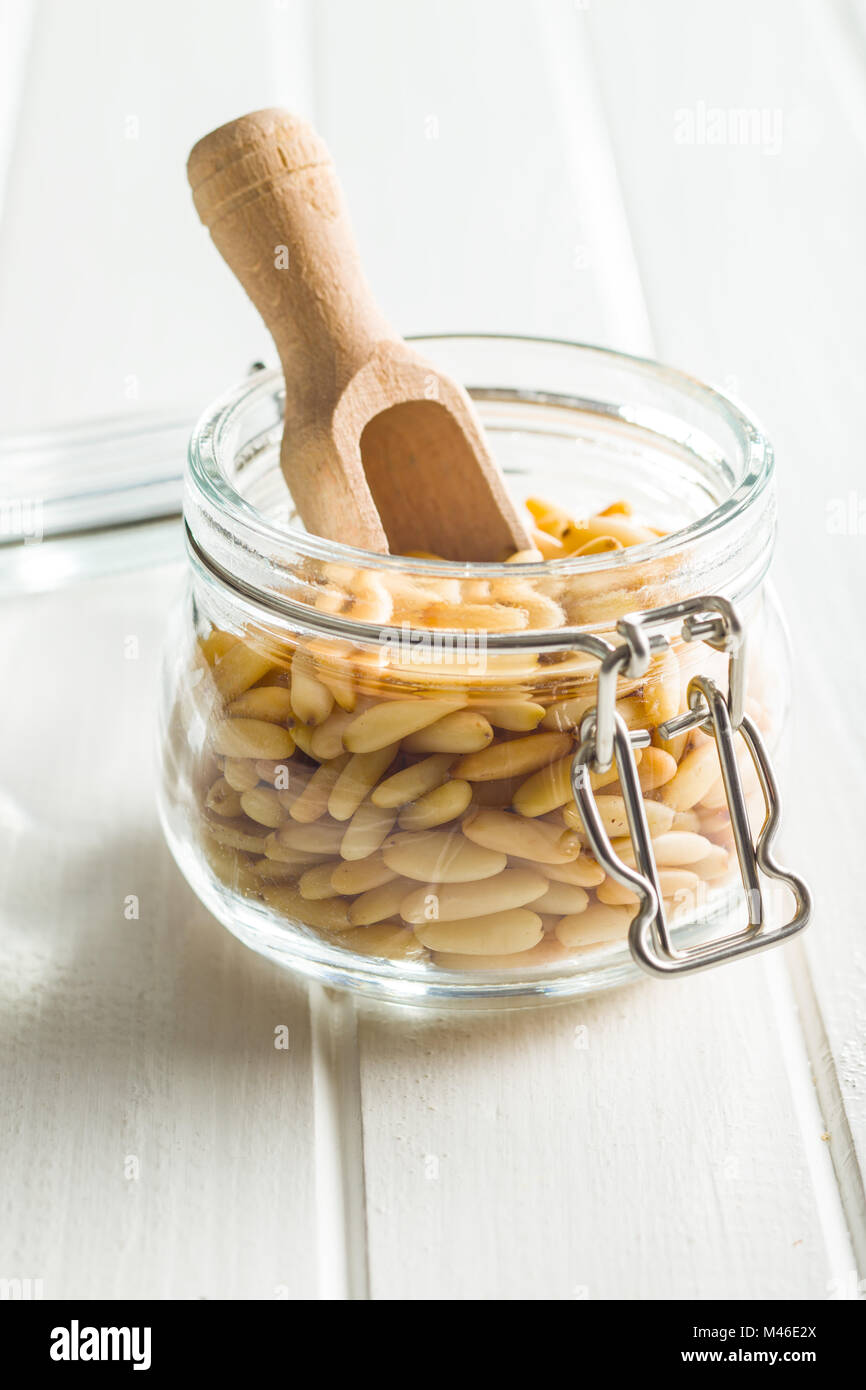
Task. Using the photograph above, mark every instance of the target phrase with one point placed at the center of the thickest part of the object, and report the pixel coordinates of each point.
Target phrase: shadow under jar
(408, 778)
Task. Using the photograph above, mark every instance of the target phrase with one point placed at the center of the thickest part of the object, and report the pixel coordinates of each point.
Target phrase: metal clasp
(604, 736)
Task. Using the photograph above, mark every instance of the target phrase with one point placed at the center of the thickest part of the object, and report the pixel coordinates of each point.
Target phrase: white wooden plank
(112, 298)
(145, 1042)
(668, 1158)
(472, 208)
(641, 1145)
(16, 27)
(754, 267)
(341, 1217)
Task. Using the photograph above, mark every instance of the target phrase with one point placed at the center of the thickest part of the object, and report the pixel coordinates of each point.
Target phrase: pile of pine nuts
(424, 812)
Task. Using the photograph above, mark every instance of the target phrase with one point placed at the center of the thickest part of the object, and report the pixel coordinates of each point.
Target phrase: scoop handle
(265, 187)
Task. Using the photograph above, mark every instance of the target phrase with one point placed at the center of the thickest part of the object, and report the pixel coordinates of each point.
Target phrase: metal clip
(708, 618)
(649, 933)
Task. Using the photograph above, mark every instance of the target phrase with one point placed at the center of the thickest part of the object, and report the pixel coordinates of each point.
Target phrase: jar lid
(91, 499)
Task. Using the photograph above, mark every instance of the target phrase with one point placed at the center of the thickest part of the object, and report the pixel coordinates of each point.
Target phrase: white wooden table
(544, 168)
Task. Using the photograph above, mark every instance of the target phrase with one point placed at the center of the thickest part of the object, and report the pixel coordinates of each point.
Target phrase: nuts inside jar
(421, 810)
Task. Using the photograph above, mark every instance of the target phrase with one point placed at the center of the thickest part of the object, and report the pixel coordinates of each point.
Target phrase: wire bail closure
(604, 737)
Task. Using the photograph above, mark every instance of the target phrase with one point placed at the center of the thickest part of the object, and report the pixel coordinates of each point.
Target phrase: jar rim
(209, 478)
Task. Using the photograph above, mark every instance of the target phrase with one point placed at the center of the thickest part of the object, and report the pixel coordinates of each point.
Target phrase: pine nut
(312, 702)
(303, 736)
(562, 899)
(318, 838)
(716, 798)
(599, 546)
(671, 881)
(341, 686)
(715, 863)
(550, 788)
(655, 769)
(330, 600)
(440, 856)
(279, 871)
(501, 934)
(549, 547)
(567, 714)
(357, 778)
(686, 820)
(516, 758)
(675, 746)
(599, 925)
(312, 802)
(386, 723)
(622, 530)
(315, 883)
(252, 738)
(612, 812)
(299, 859)
(413, 782)
(662, 693)
(388, 940)
(367, 829)
(216, 644)
(239, 668)
(548, 951)
(241, 836)
(334, 671)
(452, 901)
(548, 517)
(369, 599)
(673, 849)
(262, 805)
(525, 557)
(443, 804)
(464, 731)
(378, 904)
(326, 740)
(541, 611)
(476, 617)
(223, 800)
(679, 847)
(495, 794)
(695, 775)
(270, 702)
(512, 834)
(716, 825)
(231, 867)
(331, 914)
(360, 875)
(241, 774)
(583, 872)
(518, 716)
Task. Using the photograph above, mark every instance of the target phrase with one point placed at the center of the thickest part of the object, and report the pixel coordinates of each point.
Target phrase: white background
(511, 165)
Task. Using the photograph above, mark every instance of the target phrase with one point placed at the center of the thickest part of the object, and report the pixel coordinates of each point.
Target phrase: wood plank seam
(828, 1089)
(338, 1144)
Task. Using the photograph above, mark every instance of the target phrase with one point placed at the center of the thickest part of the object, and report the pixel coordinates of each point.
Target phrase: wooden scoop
(380, 449)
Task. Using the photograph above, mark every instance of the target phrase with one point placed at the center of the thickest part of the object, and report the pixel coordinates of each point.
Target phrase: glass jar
(398, 775)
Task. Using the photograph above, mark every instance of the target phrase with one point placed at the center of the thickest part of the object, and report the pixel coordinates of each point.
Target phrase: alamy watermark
(21, 518)
(77, 1343)
(408, 646)
(21, 1290)
(846, 516)
(760, 127)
